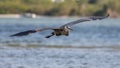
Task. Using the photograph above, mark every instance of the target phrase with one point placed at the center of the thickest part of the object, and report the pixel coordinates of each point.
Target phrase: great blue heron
(62, 30)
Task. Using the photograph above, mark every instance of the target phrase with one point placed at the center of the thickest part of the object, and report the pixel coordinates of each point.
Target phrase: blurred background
(61, 7)
(92, 44)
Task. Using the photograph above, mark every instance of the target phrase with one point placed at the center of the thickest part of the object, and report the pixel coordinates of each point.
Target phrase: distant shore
(10, 15)
(28, 15)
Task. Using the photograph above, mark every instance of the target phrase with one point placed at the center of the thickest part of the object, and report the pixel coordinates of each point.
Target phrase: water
(99, 33)
(59, 58)
(101, 39)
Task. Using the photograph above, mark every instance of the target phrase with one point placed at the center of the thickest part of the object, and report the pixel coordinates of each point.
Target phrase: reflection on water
(99, 33)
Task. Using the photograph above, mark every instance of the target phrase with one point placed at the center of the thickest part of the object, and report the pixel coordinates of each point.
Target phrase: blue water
(96, 33)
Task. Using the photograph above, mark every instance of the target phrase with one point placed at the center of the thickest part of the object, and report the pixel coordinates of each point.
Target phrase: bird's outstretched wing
(29, 32)
(85, 19)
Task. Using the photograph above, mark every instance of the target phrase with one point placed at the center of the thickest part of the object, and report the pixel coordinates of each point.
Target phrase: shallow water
(105, 32)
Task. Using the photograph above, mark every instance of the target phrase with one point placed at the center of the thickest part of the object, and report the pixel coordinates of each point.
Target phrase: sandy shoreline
(10, 15)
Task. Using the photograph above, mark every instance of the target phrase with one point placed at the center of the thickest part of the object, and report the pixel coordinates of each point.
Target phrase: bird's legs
(52, 34)
(49, 36)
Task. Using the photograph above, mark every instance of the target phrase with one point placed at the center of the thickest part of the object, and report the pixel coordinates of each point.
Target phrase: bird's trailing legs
(52, 34)
(49, 36)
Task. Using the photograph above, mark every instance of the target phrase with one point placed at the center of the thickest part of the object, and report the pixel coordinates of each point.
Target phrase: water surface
(94, 44)
(98, 33)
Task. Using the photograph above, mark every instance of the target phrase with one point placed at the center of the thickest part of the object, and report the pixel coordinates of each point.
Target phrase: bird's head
(67, 27)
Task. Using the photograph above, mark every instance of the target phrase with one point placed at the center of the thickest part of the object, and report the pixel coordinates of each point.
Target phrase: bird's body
(59, 32)
(62, 30)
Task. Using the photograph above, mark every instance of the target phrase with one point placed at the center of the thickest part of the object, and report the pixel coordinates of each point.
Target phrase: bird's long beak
(70, 29)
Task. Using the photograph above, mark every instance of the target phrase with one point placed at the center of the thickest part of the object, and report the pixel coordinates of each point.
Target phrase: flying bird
(62, 30)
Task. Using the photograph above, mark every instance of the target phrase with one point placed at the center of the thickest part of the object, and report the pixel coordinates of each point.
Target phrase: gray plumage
(62, 30)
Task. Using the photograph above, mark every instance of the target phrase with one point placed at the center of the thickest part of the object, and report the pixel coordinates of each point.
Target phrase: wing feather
(29, 32)
(84, 20)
